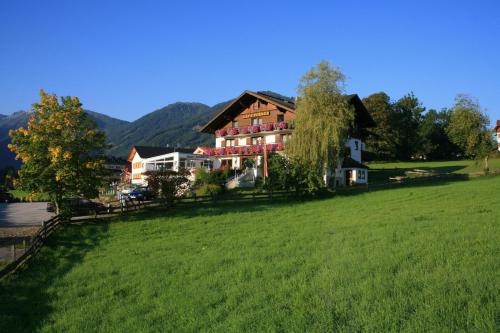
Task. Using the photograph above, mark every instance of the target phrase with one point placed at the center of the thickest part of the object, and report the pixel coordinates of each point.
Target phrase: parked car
(136, 195)
(6, 197)
(147, 193)
(79, 206)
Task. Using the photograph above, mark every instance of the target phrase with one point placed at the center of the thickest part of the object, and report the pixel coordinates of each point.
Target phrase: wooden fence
(34, 245)
(116, 206)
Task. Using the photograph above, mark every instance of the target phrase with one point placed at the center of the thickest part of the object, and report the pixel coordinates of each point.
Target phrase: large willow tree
(323, 118)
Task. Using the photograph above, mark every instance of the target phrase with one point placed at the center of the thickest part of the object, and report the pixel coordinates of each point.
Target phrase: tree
(468, 128)
(381, 140)
(288, 173)
(407, 116)
(323, 118)
(168, 184)
(435, 143)
(61, 150)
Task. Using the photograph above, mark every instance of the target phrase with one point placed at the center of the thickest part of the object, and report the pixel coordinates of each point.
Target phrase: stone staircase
(245, 179)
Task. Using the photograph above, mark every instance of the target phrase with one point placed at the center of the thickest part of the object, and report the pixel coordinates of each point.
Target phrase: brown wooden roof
(363, 118)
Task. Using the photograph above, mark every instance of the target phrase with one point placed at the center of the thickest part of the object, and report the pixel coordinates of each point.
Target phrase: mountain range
(176, 124)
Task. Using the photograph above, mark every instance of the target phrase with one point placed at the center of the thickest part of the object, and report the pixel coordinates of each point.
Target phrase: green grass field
(380, 172)
(419, 259)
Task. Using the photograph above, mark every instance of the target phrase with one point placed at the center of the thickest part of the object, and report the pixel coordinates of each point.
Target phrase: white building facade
(144, 159)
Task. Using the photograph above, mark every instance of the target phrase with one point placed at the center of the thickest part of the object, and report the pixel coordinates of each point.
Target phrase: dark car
(147, 193)
(78, 207)
(6, 197)
(136, 195)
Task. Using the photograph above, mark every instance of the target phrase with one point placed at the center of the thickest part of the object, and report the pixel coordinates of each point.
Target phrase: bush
(212, 190)
(290, 175)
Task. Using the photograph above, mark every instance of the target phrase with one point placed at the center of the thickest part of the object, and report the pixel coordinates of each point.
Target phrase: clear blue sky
(126, 59)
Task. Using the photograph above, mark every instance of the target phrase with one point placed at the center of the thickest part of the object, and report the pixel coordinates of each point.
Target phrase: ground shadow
(384, 175)
(25, 300)
(221, 207)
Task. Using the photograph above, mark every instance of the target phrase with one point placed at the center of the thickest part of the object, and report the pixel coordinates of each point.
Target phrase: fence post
(13, 251)
(44, 230)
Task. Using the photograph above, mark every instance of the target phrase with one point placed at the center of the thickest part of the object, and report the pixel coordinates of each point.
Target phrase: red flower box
(232, 131)
(254, 129)
(220, 132)
(266, 127)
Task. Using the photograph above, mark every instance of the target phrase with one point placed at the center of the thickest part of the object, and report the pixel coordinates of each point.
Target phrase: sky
(126, 59)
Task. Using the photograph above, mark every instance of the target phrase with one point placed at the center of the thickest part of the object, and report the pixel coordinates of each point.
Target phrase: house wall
(137, 170)
(355, 145)
(498, 139)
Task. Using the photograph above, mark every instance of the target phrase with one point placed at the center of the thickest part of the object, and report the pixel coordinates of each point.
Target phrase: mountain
(20, 118)
(176, 124)
(2, 116)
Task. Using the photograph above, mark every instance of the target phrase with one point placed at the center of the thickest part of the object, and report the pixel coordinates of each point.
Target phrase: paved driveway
(16, 215)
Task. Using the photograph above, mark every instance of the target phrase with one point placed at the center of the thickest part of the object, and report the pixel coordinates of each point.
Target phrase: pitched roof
(363, 118)
(349, 163)
(497, 127)
(147, 151)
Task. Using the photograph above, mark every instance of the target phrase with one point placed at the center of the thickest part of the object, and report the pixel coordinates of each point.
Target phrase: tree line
(405, 130)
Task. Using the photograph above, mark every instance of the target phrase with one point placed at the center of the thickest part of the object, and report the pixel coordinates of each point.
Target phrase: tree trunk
(486, 167)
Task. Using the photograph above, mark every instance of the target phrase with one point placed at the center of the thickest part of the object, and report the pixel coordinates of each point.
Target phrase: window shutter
(249, 141)
(277, 138)
(223, 143)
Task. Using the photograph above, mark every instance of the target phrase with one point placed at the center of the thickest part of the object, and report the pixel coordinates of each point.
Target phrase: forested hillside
(176, 124)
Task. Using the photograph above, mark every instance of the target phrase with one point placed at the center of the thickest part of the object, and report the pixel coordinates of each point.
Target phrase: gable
(249, 105)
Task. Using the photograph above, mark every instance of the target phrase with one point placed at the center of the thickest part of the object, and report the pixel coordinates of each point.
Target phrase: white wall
(218, 142)
(355, 145)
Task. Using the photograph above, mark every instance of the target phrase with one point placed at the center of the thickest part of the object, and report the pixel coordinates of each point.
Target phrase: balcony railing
(253, 129)
(245, 150)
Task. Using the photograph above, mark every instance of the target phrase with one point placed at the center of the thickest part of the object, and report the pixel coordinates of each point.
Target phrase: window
(256, 105)
(256, 121)
(257, 140)
(356, 145)
(230, 142)
(285, 138)
(281, 117)
(235, 124)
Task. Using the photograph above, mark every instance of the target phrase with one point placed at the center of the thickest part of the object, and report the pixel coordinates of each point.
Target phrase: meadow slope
(421, 258)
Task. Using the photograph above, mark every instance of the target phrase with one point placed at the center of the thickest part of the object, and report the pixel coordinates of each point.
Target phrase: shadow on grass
(384, 175)
(25, 297)
(190, 210)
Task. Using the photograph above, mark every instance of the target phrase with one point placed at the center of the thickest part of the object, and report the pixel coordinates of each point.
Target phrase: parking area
(23, 215)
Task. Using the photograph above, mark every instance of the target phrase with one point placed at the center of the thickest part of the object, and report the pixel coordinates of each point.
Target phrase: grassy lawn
(24, 196)
(380, 172)
(421, 258)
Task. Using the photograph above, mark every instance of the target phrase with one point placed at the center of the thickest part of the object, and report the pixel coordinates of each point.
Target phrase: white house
(144, 159)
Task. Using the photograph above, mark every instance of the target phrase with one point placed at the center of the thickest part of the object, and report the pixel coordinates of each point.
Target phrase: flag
(266, 174)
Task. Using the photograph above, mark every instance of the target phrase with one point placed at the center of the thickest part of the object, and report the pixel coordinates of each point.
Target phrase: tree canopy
(61, 150)
(468, 128)
(323, 118)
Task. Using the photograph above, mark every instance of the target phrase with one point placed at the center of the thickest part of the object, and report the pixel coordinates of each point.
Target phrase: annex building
(255, 122)
(145, 158)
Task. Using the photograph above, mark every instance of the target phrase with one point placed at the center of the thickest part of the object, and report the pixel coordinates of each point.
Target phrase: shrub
(291, 175)
(212, 190)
